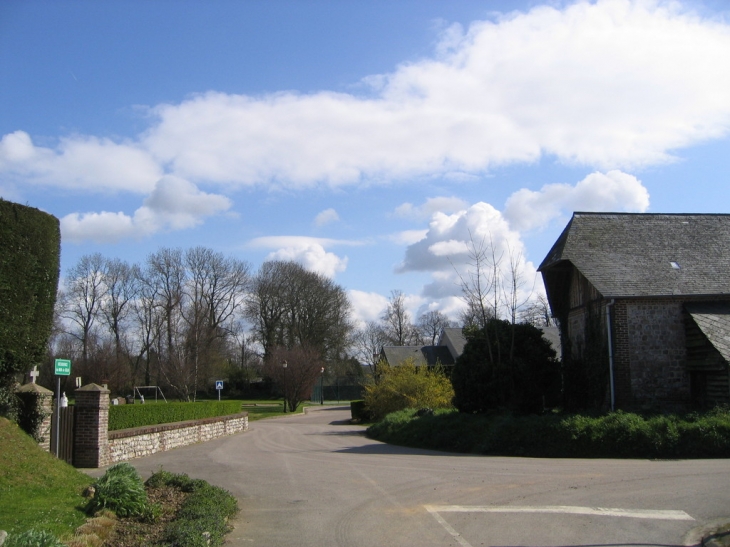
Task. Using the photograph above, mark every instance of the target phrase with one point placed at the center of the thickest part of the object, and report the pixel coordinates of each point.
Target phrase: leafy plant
(408, 386)
(121, 490)
(33, 538)
(202, 519)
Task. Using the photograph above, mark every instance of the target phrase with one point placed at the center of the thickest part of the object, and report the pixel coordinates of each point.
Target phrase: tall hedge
(30, 251)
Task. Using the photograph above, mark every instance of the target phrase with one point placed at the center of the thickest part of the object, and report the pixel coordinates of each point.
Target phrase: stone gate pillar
(38, 400)
(91, 429)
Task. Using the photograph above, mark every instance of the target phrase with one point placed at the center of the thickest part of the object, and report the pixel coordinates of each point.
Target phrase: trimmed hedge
(30, 254)
(614, 435)
(128, 416)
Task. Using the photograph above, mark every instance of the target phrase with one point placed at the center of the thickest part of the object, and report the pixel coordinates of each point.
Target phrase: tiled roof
(624, 254)
(713, 319)
(453, 338)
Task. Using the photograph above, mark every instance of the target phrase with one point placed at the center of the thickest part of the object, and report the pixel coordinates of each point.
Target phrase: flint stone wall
(125, 444)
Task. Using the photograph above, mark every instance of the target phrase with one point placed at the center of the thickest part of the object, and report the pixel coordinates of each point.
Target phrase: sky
(369, 141)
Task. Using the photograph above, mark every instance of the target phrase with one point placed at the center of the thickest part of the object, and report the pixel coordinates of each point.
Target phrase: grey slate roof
(422, 355)
(625, 254)
(453, 338)
(713, 319)
(552, 335)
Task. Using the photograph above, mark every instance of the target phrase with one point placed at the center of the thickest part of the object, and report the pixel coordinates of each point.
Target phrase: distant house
(447, 350)
(651, 293)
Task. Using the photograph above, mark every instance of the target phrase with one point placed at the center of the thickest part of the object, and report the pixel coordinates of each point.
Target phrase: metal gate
(65, 434)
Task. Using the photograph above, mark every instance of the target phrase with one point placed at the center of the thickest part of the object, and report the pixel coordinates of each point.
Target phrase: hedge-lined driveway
(317, 480)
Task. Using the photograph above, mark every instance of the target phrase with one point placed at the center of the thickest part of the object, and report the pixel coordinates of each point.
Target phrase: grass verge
(36, 489)
(614, 435)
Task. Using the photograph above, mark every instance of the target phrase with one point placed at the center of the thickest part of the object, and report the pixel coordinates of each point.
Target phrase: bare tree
(367, 343)
(295, 370)
(82, 299)
(122, 286)
(289, 306)
(214, 293)
(431, 324)
(166, 273)
(397, 325)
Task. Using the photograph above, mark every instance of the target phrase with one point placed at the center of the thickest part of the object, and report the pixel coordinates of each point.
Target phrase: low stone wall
(125, 444)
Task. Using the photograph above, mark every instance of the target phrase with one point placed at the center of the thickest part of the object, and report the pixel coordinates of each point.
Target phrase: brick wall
(126, 444)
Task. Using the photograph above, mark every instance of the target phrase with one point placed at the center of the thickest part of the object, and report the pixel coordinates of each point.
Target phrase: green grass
(36, 489)
(260, 409)
(613, 435)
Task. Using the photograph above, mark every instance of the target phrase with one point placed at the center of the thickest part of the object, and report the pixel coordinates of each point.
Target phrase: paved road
(317, 480)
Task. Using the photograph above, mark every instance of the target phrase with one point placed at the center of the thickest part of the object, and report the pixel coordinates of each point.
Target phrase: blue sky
(365, 140)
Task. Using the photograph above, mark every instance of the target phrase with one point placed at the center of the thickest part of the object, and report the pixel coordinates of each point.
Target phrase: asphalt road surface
(316, 480)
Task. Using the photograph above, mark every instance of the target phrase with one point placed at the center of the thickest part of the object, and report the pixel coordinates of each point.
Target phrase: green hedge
(614, 435)
(127, 416)
(30, 251)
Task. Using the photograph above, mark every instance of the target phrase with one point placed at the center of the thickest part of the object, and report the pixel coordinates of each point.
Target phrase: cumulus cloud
(79, 163)
(432, 205)
(610, 84)
(612, 191)
(366, 306)
(174, 204)
(326, 217)
(310, 252)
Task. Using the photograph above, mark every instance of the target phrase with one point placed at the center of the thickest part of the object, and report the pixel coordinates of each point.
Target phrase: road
(316, 480)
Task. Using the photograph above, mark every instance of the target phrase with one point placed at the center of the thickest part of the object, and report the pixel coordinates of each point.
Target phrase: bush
(33, 538)
(359, 412)
(407, 386)
(614, 435)
(127, 416)
(120, 490)
(202, 519)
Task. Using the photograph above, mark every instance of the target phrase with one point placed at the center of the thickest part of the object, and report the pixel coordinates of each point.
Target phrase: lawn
(36, 489)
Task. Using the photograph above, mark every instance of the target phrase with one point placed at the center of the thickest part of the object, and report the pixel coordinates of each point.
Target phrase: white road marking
(456, 535)
(656, 514)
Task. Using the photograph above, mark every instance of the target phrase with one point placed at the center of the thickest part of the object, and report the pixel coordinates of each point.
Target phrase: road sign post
(62, 368)
(219, 387)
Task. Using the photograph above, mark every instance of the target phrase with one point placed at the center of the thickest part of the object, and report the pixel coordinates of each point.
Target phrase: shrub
(120, 490)
(614, 435)
(33, 538)
(358, 411)
(506, 366)
(408, 386)
(127, 416)
(202, 519)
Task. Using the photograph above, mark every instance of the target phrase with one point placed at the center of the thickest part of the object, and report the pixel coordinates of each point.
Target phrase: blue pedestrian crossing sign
(219, 384)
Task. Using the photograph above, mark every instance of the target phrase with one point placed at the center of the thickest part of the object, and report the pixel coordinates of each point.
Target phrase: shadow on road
(391, 449)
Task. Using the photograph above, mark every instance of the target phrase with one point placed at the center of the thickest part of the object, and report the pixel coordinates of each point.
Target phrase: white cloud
(310, 252)
(314, 258)
(366, 306)
(326, 217)
(431, 206)
(447, 253)
(612, 191)
(174, 204)
(86, 163)
(408, 237)
(610, 84)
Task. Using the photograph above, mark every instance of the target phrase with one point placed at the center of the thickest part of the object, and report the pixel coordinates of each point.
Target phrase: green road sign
(63, 367)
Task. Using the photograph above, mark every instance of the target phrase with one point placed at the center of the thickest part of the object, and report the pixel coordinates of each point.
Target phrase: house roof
(552, 335)
(453, 338)
(713, 319)
(422, 355)
(625, 254)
